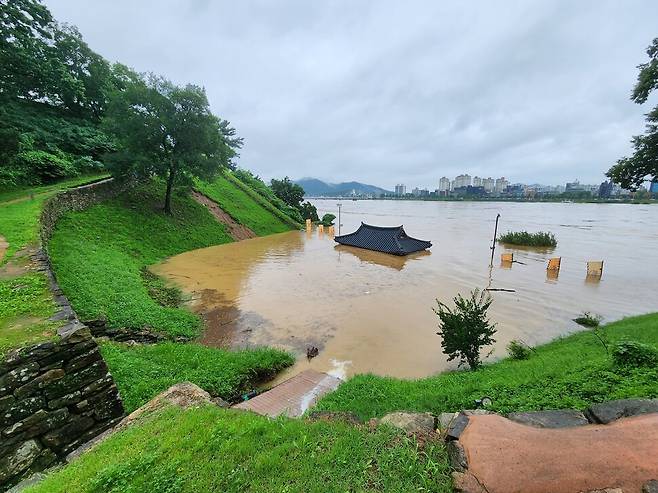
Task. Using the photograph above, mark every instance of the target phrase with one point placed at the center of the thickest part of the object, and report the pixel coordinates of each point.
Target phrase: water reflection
(396, 262)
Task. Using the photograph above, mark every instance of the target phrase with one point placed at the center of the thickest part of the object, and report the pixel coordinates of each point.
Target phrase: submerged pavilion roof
(391, 240)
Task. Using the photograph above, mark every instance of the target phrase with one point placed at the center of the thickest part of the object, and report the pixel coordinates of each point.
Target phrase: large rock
(607, 412)
(417, 423)
(562, 418)
(650, 486)
(464, 482)
(457, 456)
(19, 460)
(456, 427)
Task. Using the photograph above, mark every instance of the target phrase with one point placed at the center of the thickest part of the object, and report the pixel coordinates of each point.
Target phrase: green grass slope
(568, 373)
(97, 255)
(246, 208)
(216, 450)
(141, 372)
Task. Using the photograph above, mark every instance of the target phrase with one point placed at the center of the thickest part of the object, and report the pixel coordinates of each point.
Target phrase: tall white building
(488, 184)
(462, 181)
(501, 184)
(444, 184)
(477, 181)
(400, 190)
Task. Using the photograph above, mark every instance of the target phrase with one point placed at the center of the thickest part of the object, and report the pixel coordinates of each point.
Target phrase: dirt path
(511, 457)
(3, 247)
(237, 231)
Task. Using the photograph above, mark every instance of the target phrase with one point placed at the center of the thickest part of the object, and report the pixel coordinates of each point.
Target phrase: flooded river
(371, 312)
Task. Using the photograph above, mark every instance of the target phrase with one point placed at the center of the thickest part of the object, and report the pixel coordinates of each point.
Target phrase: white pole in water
(339, 206)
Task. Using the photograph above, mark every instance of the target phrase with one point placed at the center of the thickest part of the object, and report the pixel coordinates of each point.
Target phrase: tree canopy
(631, 172)
(291, 193)
(168, 131)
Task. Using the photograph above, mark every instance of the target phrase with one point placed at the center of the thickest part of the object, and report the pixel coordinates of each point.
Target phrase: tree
(308, 211)
(167, 131)
(291, 193)
(631, 172)
(466, 329)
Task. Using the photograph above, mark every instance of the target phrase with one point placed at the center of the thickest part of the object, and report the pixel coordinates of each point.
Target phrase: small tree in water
(466, 329)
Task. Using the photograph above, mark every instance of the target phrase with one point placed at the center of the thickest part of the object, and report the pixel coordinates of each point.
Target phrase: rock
(18, 377)
(345, 417)
(477, 412)
(562, 418)
(650, 486)
(456, 427)
(19, 460)
(445, 420)
(36, 384)
(417, 423)
(457, 456)
(218, 401)
(607, 412)
(464, 482)
(607, 490)
(21, 409)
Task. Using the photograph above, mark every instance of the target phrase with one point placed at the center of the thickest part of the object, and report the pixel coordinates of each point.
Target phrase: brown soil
(510, 457)
(3, 247)
(237, 231)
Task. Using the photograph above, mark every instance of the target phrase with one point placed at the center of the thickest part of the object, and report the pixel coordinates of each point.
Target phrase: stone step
(293, 397)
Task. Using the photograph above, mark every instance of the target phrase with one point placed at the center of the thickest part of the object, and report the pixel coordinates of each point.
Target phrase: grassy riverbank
(216, 450)
(568, 373)
(141, 372)
(245, 208)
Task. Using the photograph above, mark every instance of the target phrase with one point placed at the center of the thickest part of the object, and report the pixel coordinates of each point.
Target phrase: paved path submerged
(508, 457)
(293, 397)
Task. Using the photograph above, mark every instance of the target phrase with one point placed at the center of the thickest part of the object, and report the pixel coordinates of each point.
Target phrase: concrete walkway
(293, 397)
(508, 457)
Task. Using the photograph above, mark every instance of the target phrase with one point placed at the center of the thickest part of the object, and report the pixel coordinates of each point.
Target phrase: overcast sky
(389, 91)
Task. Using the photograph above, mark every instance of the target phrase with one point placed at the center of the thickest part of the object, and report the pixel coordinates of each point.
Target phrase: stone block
(19, 460)
(457, 427)
(21, 409)
(650, 486)
(562, 418)
(57, 439)
(464, 482)
(444, 420)
(78, 380)
(417, 423)
(457, 456)
(83, 360)
(18, 377)
(65, 400)
(607, 412)
(34, 387)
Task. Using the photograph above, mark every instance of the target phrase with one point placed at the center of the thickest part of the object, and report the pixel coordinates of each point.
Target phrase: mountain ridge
(317, 187)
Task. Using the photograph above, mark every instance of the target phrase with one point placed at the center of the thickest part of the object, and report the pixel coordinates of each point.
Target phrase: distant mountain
(319, 188)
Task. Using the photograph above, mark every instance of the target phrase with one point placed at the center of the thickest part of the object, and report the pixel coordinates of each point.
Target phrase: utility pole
(339, 225)
(493, 244)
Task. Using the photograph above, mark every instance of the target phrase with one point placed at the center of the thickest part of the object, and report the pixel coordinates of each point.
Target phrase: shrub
(518, 350)
(309, 211)
(328, 220)
(588, 319)
(466, 329)
(634, 354)
(539, 239)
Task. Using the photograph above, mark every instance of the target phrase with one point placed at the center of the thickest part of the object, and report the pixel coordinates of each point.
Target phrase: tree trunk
(170, 186)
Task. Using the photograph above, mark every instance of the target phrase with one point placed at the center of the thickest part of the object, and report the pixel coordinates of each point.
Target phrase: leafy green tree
(168, 131)
(309, 211)
(291, 193)
(466, 329)
(328, 219)
(631, 172)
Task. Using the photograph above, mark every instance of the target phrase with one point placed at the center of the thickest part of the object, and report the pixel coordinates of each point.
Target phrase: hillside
(317, 188)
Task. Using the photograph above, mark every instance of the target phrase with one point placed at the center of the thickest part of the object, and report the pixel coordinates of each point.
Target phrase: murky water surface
(371, 312)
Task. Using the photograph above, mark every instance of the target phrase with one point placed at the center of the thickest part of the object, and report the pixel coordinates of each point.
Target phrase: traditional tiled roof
(391, 240)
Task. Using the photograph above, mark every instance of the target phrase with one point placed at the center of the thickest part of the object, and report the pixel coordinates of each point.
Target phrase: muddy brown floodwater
(371, 312)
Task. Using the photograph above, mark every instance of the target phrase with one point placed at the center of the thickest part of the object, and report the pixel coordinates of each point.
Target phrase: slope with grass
(98, 253)
(246, 208)
(568, 373)
(142, 372)
(215, 450)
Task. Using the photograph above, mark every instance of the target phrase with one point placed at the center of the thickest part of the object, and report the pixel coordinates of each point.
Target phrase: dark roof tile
(391, 240)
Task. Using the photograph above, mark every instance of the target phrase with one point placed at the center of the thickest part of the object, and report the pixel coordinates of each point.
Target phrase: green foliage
(539, 239)
(167, 131)
(291, 193)
(466, 329)
(518, 350)
(141, 372)
(98, 255)
(259, 186)
(588, 319)
(218, 450)
(25, 302)
(571, 372)
(309, 211)
(328, 219)
(241, 205)
(631, 172)
(635, 354)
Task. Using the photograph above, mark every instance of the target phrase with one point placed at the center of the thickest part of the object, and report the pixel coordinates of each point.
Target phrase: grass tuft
(523, 238)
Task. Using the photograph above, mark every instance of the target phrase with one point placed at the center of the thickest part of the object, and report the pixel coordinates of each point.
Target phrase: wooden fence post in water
(493, 244)
(595, 269)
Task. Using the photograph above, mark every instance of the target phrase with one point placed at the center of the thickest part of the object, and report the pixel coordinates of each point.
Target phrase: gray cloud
(387, 92)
